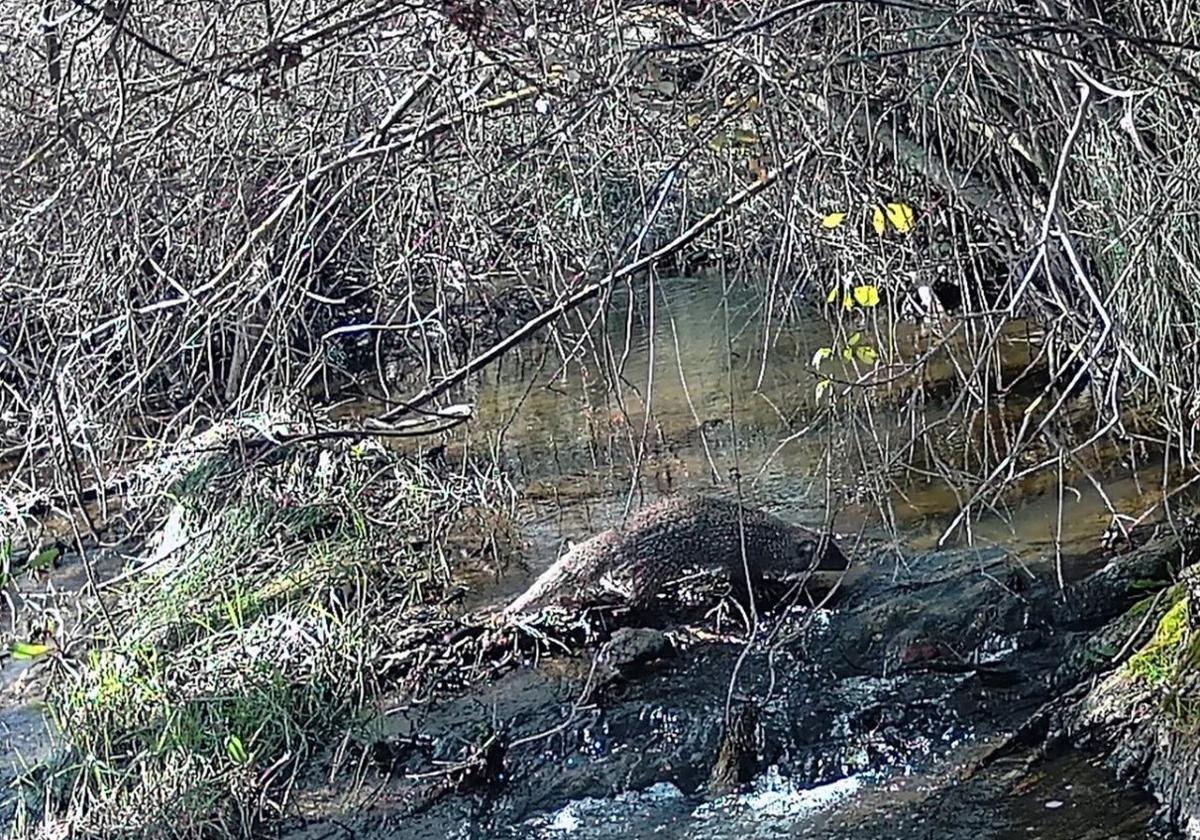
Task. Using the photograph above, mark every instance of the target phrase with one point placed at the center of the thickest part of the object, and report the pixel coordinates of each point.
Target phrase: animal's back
(631, 564)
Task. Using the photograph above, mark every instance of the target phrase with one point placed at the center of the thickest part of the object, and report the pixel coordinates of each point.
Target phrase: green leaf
(847, 353)
(855, 339)
(822, 387)
(866, 354)
(235, 750)
(28, 650)
(44, 559)
(821, 355)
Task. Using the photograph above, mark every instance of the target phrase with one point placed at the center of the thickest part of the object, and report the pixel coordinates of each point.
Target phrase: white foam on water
(591, 812)
(775, 796)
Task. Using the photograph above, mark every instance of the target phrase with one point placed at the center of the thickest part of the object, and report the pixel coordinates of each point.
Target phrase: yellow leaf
(731, 100)
(693, 120)
(854, 339)
(745, 136)
(822, 386)
(832, 296)
(752, 104)
(866, 354)
(866, 295)
(832, 220)
(878, 222)
(847, 302)
(821, 354)
(718, 142)
(901, 216)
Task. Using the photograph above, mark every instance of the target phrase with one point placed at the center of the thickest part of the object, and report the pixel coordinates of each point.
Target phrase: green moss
(1157, 662)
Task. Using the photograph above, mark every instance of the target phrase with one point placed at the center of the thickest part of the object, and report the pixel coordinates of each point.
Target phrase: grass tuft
(229, 669)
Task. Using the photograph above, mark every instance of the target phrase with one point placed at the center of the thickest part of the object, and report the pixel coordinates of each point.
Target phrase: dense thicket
(205, 205)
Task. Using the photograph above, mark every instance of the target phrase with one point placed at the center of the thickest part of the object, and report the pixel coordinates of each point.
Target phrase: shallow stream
(702, 394)
(699, 393)
(693, 389)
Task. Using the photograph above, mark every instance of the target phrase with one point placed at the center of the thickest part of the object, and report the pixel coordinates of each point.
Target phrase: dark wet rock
(1117, 585)
(924, 656)
(1006, 800)
(631, 648)
(1145, 726)
(737, 760)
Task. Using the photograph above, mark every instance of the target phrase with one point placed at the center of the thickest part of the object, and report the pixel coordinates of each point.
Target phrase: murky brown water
(701, 393)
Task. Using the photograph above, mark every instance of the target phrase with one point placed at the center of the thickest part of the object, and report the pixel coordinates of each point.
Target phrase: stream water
(697, 391)
(693, 388)
(701, 393)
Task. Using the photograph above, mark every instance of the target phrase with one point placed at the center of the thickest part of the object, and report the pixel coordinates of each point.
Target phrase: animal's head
(821, 555)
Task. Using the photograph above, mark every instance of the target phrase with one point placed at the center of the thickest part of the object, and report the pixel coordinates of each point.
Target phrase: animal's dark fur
(673, 537)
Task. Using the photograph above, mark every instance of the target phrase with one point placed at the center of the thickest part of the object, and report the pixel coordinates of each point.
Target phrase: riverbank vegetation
(246, 649)
(210, 213)
(380, 183)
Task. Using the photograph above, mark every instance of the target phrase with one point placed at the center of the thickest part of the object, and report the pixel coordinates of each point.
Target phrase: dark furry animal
(633, 564)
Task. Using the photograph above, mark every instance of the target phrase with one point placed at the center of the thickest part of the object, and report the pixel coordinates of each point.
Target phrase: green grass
(219, 677)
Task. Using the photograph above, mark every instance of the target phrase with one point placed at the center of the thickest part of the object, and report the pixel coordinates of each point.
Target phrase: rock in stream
(895, 698)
